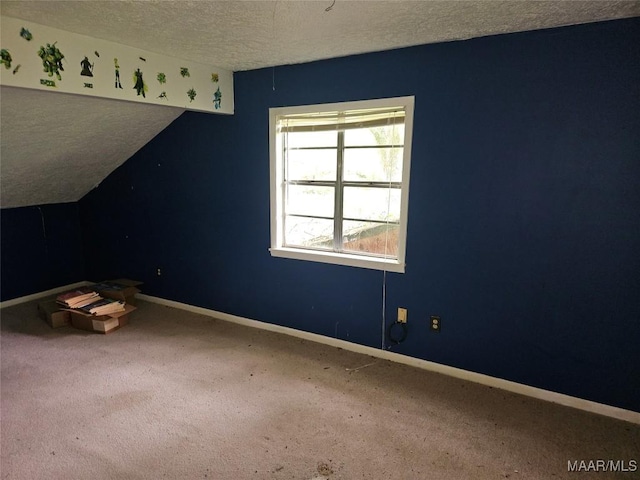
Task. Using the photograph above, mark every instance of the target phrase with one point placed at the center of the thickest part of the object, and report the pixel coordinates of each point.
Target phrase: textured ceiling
(244, 35)
(55, 147)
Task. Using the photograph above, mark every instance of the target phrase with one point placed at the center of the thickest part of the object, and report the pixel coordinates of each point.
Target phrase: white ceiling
(55, 147)
(245, 35)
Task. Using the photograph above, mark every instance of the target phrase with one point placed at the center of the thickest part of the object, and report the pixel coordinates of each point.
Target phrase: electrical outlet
(435, 323)
(402, 315)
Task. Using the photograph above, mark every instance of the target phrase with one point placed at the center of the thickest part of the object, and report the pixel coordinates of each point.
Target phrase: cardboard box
(119, 289)
(51, 313)
(101, 323)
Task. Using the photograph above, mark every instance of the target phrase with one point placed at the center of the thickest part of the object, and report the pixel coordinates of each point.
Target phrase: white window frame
(278, 188)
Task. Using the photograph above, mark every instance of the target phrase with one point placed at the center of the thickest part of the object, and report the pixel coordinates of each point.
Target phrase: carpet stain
(324, 469)
(125, 401)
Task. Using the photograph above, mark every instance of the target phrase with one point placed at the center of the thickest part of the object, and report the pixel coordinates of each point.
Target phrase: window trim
(277, 186)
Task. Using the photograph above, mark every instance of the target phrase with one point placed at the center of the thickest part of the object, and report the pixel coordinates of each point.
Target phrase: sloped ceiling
(56, 147)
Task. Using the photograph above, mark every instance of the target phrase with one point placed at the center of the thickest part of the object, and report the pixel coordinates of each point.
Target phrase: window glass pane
(373, 164)
(375, 136)
(312, 164)
(368, 237)
(369, 203)
(310, 200)
(311, 139)
(308, 232)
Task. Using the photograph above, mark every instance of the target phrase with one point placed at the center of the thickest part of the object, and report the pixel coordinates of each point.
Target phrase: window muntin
(340, 178)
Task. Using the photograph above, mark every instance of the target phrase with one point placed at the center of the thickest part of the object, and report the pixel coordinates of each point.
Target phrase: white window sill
(390, 265)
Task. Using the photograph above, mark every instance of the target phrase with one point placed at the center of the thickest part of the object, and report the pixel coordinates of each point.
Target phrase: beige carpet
(177, 395)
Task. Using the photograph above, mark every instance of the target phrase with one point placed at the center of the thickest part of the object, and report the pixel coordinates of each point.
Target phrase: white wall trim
(101, 82)
(47, 293)
(519, 388)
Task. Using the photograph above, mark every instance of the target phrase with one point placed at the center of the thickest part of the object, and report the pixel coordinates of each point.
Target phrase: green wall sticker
(215, 78)
(51, 60)
(26, 34)
(217, 99)
(162, 78)
(184, 72)
(163, 95)
(5, 58)
(191, 93)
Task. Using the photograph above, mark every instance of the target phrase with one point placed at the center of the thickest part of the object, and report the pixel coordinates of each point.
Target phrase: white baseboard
(47, 293)
(519, 388)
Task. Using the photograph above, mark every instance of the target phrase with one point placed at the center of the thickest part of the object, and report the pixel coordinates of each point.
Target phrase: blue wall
(42, 249)
(524, 216)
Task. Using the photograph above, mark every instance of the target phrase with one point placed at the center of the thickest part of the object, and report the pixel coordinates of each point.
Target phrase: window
(340, 182)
